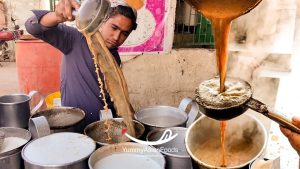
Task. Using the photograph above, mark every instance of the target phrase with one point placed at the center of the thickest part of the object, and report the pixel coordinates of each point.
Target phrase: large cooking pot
(63, 119)
(10, 152)
(234, 102)
(245, 140)
(64, 150)
(167, 116)
(15, 109)
(127, 156)
(174, 151)
(100, 132)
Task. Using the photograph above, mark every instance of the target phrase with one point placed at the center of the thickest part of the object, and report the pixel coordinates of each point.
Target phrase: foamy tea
(236, 92)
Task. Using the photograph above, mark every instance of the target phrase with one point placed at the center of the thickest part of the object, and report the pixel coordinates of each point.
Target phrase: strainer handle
(192, 114)
(273, 115)
(283, 121)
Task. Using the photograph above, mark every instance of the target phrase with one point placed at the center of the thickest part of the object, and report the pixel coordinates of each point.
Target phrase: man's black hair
(125, 11)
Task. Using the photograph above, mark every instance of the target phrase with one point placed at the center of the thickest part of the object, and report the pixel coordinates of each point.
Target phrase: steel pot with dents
(15, 109)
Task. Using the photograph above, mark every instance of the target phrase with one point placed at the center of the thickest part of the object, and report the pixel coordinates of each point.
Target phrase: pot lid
(58, 149)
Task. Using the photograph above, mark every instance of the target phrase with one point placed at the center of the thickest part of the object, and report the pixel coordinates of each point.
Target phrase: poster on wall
(150, 34)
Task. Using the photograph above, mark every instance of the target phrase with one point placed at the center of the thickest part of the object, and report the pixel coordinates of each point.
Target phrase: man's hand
(293, 137)
(64, 10)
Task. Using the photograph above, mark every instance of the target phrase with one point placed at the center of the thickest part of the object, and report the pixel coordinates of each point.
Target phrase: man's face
(116, 30)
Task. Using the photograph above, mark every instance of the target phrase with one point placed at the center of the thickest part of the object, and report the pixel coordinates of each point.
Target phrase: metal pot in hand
(15, 109)
(90, 15)
(167, 116)
(236, 99)
(10, 152)
(245, 140)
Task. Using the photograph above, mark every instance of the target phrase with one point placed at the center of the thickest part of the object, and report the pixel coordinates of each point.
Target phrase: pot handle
(192, 114)
(273, 115)
(39, 127)
(39, 105)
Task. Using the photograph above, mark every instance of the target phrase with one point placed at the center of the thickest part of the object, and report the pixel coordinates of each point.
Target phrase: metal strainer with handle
(226, 111)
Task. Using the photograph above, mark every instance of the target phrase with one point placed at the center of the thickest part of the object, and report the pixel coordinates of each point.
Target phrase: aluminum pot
(15, 109)
(167, 116)
(127, 156)
(10, 153)
(245, 140)
(64, 150)
(98, 131)
(174, 151)
(63, 119)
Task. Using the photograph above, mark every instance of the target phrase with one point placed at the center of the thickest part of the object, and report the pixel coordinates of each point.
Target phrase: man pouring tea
(79, 81)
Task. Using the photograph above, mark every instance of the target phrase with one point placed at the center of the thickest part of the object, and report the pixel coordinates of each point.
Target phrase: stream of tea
(114, 81)
(221, 13)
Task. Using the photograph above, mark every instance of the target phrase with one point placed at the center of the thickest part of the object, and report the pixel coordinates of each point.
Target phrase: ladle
(228, 112)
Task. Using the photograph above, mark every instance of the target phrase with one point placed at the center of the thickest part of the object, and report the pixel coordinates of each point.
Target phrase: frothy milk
(59, 149)
(236, 92)
(127, 160)
(11, 143)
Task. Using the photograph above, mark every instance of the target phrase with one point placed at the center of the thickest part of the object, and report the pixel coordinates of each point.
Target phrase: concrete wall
(167, 78)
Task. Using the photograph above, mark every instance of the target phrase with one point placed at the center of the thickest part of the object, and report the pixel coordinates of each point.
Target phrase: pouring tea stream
(221, 13)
